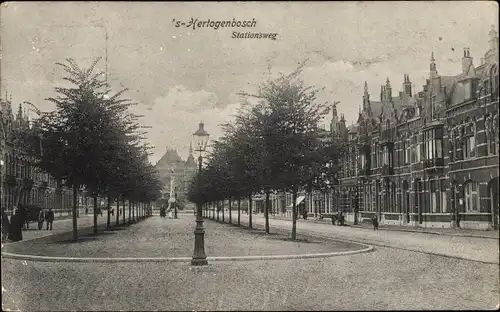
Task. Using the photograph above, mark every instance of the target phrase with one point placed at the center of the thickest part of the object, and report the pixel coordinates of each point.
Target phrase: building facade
(423, 159)
(20, 181)
(428, 158)
(172, 167)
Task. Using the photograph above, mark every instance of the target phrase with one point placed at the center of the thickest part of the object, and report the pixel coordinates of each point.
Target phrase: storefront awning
(300, 199)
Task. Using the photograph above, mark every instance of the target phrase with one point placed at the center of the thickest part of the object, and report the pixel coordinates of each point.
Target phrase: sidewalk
(66, 225)
(437, 231)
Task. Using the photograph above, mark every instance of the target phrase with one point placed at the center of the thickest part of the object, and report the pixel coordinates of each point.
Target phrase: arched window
(471, 196)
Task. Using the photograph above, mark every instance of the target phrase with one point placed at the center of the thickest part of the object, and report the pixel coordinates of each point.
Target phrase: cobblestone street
(472, 248)
(387, 278)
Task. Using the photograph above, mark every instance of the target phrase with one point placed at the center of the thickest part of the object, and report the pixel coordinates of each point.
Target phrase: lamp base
(199, 262)
(199, 256)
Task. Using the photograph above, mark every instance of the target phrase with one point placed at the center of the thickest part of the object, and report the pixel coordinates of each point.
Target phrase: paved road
(386, 279)
(163, 237)
(471, 248)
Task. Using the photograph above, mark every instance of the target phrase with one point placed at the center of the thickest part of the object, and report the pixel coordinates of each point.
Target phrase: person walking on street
(5, 225)
(15, 229)
(40, 219)
(49, 217)
(375, 223)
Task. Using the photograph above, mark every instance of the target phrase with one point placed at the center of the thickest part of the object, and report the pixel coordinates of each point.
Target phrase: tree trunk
(294, 215)
(239, 211)
(223, 210)
(108, 221)
(117, 211)
(217, 205)
(250, 211)
(129, 211)
(133, 211)
(230, 211)
(95, 214)
(123, 210)
(266, 212)
(75, 203)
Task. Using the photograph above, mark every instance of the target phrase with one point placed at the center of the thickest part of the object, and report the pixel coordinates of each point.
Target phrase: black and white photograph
(249, 156)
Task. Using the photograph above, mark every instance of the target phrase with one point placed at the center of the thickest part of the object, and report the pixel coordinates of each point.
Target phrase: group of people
(164, 210)
(48, 217)
(13, 228)
(338, 219)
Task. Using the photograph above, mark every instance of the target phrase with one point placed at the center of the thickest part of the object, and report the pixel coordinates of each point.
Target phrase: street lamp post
(356, 205)
(200, 137)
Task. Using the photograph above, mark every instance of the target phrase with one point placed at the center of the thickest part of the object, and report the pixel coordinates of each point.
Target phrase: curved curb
(402, 248)
(9, 255)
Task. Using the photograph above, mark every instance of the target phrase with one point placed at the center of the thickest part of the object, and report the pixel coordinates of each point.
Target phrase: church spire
(432, 66)
(20, 113)
(190, 148)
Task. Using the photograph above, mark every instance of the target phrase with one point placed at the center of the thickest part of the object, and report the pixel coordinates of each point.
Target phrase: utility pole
(106, 57)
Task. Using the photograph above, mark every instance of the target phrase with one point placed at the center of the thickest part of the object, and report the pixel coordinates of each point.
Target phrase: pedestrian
(40, 219)
(100, 211)
(5, 225)
(49, 218)
(375, 223)
(112, 211)
(333, 218)
(16, 224)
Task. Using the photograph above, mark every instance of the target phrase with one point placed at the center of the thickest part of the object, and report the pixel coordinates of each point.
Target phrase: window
(386, 155)
(491, 144)
(435, 196)
(471, 197)
(363, 160)
(443, 201)
(416, 150)
(467, 90)
(379, 156)
(434, 144)
(374, 155)
(407, 151)
(469, 147)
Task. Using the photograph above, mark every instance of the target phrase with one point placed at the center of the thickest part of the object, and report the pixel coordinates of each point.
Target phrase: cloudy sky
(181, 75)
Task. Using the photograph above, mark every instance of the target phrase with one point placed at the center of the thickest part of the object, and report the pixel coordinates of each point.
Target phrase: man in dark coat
(15, 229)
(5, 224)
(375, 223)
(49, 218)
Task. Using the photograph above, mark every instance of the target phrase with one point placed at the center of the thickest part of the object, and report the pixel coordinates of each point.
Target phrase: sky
(182, 75)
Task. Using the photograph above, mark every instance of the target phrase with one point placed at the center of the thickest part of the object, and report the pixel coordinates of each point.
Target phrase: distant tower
(432, 67)
(388, 90)
(334, 124)
(366, 98)
(407, 85)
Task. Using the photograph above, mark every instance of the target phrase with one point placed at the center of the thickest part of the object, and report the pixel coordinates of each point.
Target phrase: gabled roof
(169, 158)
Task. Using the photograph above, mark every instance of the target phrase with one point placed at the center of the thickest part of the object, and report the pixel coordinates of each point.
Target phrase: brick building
(427, 158)
(20, 181)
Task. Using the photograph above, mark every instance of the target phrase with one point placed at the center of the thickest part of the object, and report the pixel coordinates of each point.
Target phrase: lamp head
(200, 138)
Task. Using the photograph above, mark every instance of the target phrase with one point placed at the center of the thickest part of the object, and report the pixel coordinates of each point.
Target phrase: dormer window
(467, 90)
